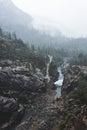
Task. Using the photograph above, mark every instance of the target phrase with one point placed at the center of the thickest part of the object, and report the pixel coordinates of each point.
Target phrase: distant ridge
(15, 20)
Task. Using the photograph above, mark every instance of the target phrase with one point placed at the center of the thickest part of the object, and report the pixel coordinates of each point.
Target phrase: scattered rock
(10, 112)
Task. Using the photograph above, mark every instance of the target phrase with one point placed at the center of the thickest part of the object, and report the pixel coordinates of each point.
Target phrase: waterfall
(47, 70)
(59, 83)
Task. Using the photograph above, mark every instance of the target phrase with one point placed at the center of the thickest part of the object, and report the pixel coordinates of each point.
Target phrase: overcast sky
(70, 16)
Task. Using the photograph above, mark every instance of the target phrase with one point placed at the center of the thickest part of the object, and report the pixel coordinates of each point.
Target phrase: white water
(47, 71)
(59, 83)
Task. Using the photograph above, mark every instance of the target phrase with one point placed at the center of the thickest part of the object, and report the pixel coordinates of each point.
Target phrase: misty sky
(69, 16)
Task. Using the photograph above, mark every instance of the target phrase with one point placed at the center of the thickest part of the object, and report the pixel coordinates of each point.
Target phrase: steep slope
(10, 15)
(15, 20)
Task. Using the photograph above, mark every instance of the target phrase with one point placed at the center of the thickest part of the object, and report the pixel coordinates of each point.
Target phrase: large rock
(20, 83)
(72, 75)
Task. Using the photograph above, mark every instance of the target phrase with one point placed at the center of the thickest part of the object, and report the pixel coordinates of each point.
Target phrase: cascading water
(47, 70)
(59, 83)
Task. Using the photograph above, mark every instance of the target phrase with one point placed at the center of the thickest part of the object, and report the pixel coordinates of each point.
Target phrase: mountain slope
(15, 20)
(11, 15)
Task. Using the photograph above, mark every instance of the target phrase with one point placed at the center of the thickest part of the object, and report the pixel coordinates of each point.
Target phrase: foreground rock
(20, 83)
(10, 112)
(42, 114)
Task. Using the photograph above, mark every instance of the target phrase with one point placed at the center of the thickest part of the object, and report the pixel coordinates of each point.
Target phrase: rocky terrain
(20, 84)
(10, 112)
(27, 99)
(21, 81)
(73, 103)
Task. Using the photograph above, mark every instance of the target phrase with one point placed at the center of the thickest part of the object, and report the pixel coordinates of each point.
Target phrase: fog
(69, 16)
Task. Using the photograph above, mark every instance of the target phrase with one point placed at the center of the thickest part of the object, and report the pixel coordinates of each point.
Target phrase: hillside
(15, 20)
(43, 78)
(27, 98)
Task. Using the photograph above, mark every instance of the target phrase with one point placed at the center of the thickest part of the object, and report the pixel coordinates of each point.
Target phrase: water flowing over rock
(47, 69)
(59, 83)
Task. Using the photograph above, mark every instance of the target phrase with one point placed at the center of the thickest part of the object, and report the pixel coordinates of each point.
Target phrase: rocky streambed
(72, 105)
(65, 113)
(26, 98)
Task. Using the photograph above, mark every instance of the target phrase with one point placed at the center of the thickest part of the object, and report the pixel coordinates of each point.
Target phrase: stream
(59, 83)
(60, 80)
